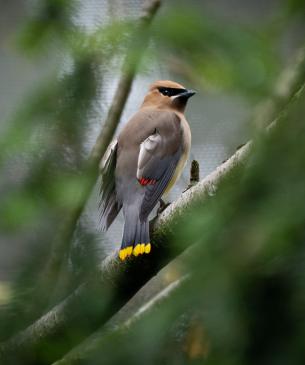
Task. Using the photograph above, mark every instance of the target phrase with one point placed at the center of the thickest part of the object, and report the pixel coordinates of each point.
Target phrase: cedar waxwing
(144, 163)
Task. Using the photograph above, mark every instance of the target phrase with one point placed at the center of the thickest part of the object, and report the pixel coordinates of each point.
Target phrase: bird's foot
(162, 206)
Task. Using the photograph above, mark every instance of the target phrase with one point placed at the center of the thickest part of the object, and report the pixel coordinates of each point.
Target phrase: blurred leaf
(296, 7)
(51, 21)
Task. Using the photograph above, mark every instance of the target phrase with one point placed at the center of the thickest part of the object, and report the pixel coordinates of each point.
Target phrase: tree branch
(119, 281)
(130, 65)
(100, 338)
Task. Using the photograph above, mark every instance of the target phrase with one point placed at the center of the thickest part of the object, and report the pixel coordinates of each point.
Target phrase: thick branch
(119, 281)
(100, 339)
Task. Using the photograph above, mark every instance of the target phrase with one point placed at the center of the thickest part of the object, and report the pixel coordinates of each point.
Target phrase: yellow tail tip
(129, 250)
(122, 254)
(142, 248)
(148, 248)
(125, 252)
(137, 250)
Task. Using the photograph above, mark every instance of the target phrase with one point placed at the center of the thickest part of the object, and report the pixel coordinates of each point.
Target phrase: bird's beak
(186, 94)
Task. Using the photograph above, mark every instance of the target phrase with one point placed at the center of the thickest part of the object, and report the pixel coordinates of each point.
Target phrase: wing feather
(108, 205)
(154, 192)
(158, 158)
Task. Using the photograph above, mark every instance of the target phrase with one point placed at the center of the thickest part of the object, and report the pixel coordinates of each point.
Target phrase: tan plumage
(145, 162)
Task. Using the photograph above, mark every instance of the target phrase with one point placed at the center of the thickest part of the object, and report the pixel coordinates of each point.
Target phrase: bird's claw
(162, 206)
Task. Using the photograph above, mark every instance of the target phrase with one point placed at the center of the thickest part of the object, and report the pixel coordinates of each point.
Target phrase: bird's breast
(186, 146)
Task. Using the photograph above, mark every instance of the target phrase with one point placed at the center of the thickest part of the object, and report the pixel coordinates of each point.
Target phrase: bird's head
(167, 94)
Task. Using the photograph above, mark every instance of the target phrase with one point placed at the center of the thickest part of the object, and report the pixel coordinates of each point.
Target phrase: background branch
(129, 69)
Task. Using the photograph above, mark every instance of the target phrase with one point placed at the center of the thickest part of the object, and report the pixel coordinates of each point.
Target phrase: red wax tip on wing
(144, 181)
(152, 181)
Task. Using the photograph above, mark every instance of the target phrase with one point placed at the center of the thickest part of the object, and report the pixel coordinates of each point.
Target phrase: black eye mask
(170, 91)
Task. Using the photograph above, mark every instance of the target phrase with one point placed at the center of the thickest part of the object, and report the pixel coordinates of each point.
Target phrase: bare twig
(194, 174)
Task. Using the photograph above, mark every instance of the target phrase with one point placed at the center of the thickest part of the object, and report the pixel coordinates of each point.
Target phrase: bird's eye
(164, 91)
(170, 91)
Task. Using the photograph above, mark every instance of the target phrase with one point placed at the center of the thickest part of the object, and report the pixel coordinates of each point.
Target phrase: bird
(143, 163)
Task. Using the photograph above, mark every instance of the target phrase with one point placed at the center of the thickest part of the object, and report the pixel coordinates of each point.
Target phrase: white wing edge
(112, 146)
(147, 148)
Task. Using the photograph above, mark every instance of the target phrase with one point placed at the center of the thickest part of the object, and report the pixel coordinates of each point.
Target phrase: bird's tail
(136, 240)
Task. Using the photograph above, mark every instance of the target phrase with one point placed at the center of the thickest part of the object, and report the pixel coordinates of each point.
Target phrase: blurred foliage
(232, 56)
(296, 7)
(51, 19)
(244, 302)
(42, 153)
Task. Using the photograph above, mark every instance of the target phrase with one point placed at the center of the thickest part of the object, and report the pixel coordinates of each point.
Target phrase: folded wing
(158, 158)
(109, 206)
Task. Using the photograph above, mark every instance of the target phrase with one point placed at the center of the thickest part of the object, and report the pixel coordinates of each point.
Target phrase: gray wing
(109, 206)
(158, 158)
